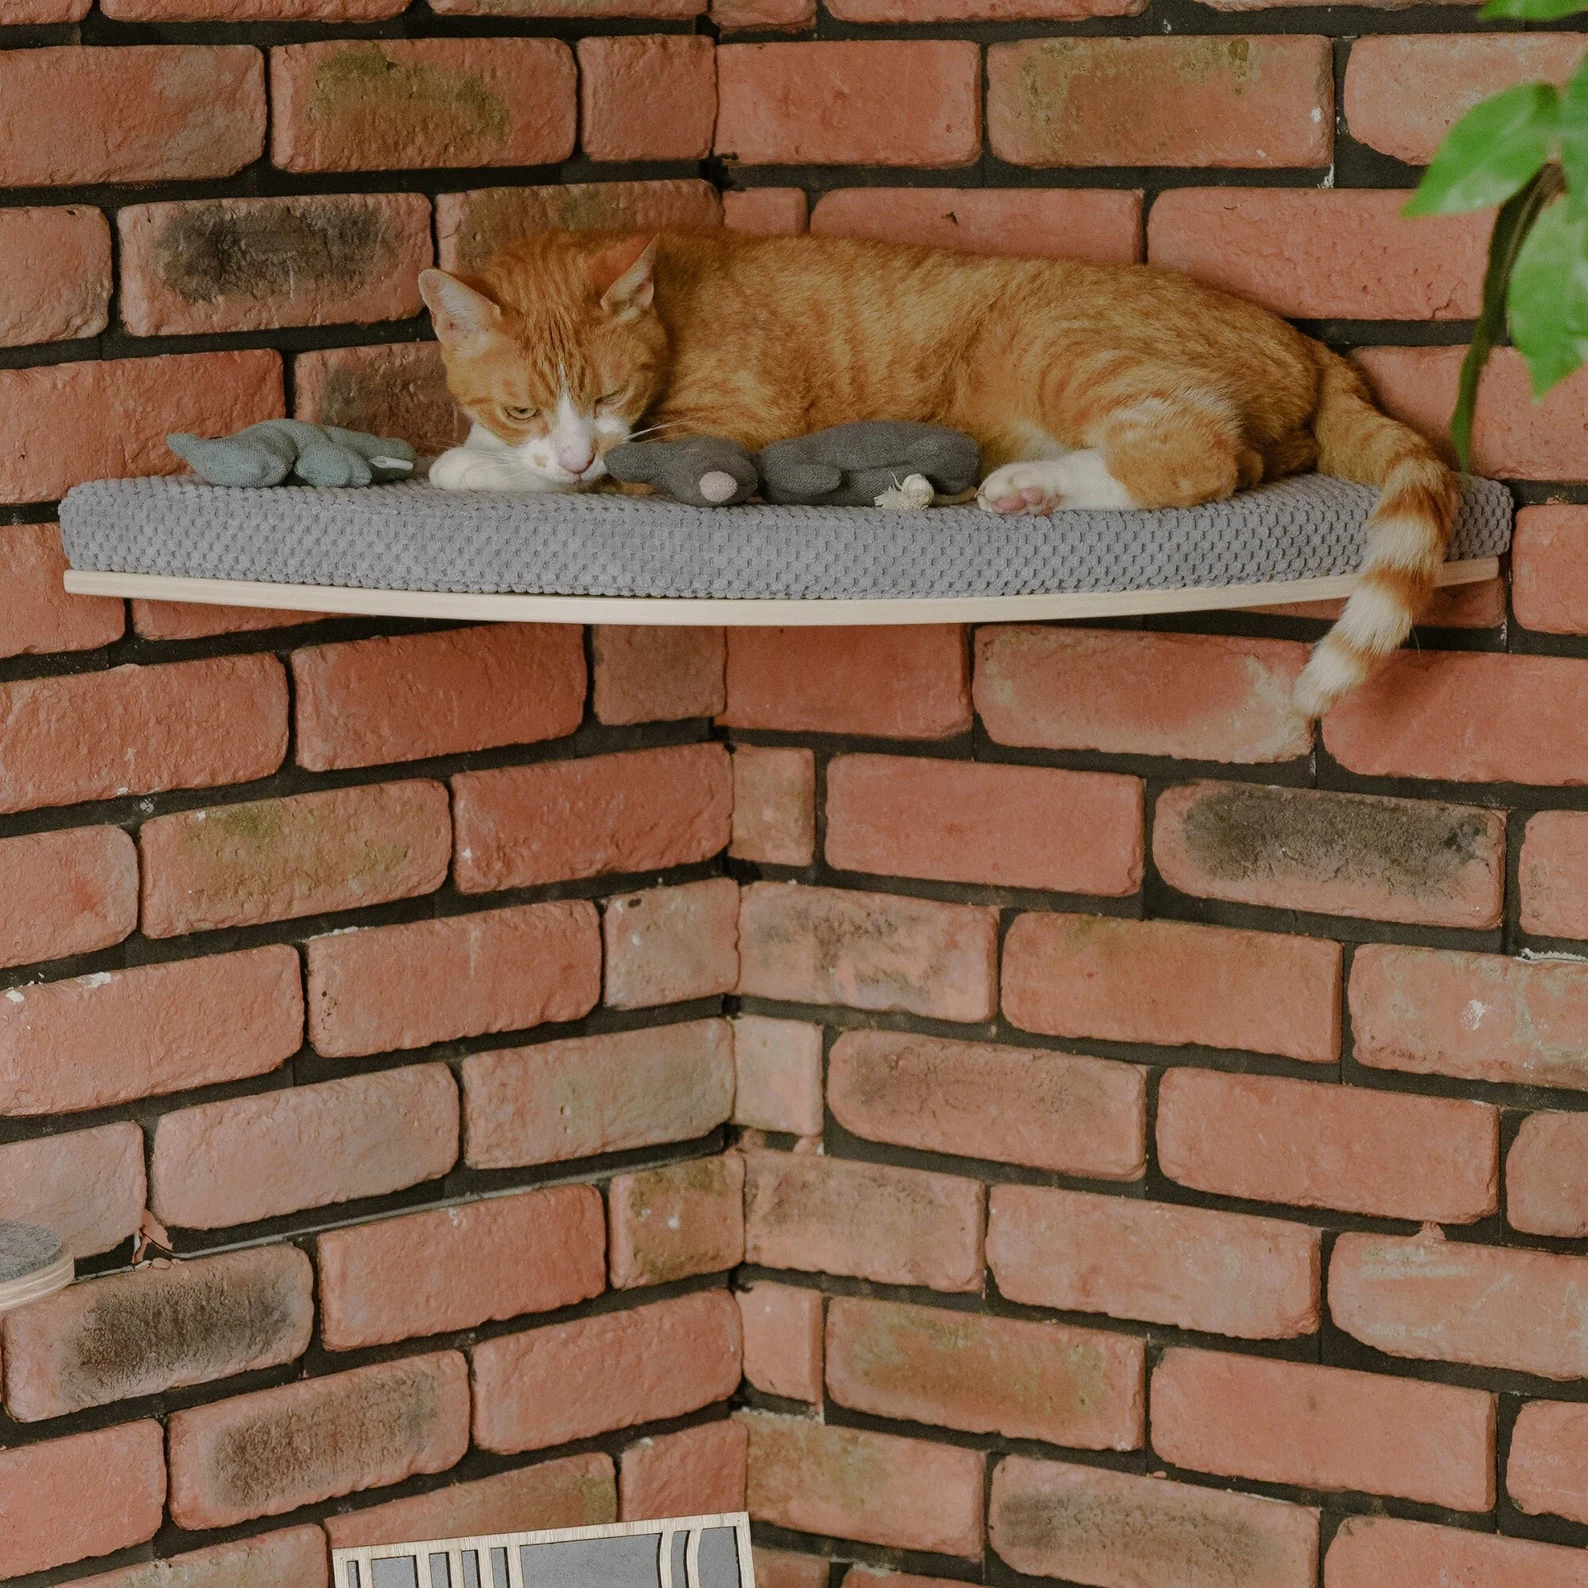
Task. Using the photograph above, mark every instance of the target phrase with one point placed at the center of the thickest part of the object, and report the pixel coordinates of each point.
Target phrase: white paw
(1048, 485)
(467, 469)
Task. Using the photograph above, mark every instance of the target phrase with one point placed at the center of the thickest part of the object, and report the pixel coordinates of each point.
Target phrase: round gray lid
(26, 1248)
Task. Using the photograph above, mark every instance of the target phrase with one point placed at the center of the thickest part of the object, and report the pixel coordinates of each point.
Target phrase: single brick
(778, 1065)
(273, 860)
(87, 1494)
(418, 695)
(1522, 719)
(85, 1185)
(1546, 1176)
(902, 681)
(574, 1380)
(1122, 1530)
(647, 96)
(1173, 983)
(254, 264)
(874, 1488)
(767, 211)
(249, 1158)
(782, 1568)
(76, 114)
(660, 10)
(1388, 1154)
(574, 1491)
(1549, 567)
(192, 620)
(782, 1339)
(461, 1266)
(984, 1375)
(664, 673)
(341, 105)
(963, 821)
(1202, 697)
(1547, 1470)
(294, 1555)
(1404, 93)
(66, 893)
(1346, 254)
(434, 981)
(872, 102)
(1324, 1428)
(1219, 101)
(157, 1329)
(39, 616)
(637, 811)
(397, 389)
(870, 1220)
(906, 11)
(670, 1223)
(1369, 1552)
(868, 950)
(470, 227)
(1480, 1016)
(667, 945)
(320, 11)
(586, 1095)
(116, 1035)
(33, 13)
(45, 450)
(699, 1472)
(262, 1454)
(57, 262)
(1056, 1111)
(1043, 223)
(1450, 1301)
(774, 806)
(1079, 1252)
(1513, 437)
(1336, 854)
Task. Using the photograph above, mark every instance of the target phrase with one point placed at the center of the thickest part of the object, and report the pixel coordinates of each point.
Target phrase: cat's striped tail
(1406, 536)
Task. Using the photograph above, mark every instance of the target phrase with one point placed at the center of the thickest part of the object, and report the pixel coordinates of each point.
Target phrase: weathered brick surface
(875, 1488)
(251, 264)
(670, 1223)
(293, 1555)
(433, 981)
(658, 10)
(699, 1472)
(66, 893)
(1261, 102)
(57, 261)
(668, 945)
(1549, 569)
(1054, 1111)
(781, 1568)
(955, 821)
(1084, 1253)
(586, 1095)
(1547, 1470)
(341, 105)
(180, 620)
(1546, 1176)
(1553, 874)
(85, 1185)
(766, 211)
(778, 1070)
(573, 1380)
(39, 616)
(419, 695)
(782, 1339)
(639, 810)
(270, 1452)
(1322, 1145)
(1324, 1428)
(895, 1226)
(397, 389)
(1452, 1301)
(220, 1164)
(271, 860)
(1370, 1551)
(116, 1035)
(251, 10)
(1337, 854)
(647, 97)
(774, 806)
(867, 950)
(664, 673)
(457, 1267)
(156, 1329)
(1173, 983)
(1066, 1386)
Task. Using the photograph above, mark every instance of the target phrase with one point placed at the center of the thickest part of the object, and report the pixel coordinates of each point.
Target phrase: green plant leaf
(1573, 114)
(1491, 152)
(1549, 297)
(1532, 10)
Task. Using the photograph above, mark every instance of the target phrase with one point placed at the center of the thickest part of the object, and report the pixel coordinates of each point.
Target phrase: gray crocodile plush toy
(267, 453)
(884, 463)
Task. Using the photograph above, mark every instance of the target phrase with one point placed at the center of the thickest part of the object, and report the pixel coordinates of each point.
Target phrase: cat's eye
(608, 400)
(519, 414)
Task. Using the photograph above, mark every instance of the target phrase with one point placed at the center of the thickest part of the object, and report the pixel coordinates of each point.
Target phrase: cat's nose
(575, 456)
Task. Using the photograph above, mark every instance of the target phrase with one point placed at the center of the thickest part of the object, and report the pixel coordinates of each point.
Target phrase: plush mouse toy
(266, 453)
(705, 471)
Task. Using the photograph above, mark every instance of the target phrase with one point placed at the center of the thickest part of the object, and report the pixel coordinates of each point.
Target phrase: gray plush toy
(266, 453)
(705, 471)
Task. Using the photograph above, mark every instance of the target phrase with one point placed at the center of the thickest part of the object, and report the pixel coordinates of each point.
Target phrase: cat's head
(556, 348)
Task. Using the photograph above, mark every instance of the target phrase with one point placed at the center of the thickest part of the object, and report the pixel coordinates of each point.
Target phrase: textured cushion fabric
(414, 537)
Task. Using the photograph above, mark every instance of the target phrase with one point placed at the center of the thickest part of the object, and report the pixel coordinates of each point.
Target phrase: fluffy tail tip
(1331, 673)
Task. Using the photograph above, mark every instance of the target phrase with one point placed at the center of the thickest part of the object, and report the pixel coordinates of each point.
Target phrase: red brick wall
(442, 994)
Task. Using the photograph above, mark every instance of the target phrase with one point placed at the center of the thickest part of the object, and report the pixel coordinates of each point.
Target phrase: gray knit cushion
(414, 537)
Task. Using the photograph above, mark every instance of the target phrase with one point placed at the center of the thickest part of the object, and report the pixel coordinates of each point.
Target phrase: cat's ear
(635, 287)
(460, 315)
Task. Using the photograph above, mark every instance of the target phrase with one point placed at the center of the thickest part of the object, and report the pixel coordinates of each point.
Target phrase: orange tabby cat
(1086, 385)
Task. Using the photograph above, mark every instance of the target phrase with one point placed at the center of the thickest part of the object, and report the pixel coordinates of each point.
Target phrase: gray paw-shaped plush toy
(267, 453)
(705, 471)
(855, 465)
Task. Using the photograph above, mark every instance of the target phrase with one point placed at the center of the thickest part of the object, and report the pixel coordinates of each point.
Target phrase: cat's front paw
(468, 469)
(1047, 485)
